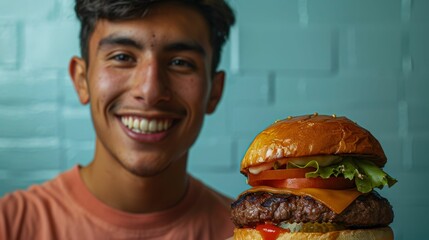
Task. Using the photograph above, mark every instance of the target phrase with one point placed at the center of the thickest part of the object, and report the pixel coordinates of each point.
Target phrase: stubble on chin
(145, 168)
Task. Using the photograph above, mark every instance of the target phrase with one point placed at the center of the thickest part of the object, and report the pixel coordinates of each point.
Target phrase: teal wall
(366, 59)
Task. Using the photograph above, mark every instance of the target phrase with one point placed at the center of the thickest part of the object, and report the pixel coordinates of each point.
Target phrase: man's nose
(151, 83)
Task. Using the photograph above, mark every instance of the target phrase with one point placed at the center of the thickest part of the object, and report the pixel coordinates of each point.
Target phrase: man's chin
(144, 168)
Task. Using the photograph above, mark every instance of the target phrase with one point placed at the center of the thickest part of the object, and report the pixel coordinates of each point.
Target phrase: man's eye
(123, 58)
(182, 63)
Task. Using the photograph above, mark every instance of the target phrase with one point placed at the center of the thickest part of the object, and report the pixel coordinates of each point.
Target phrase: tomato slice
(295, 178)
(280, 174)
(318, 182)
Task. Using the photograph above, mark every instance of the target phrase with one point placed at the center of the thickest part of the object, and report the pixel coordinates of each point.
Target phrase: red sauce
(270, 231)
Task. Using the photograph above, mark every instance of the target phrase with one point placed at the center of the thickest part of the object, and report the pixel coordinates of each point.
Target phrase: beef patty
(368, 210)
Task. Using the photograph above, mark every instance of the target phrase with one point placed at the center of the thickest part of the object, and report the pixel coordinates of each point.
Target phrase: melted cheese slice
(336, 200)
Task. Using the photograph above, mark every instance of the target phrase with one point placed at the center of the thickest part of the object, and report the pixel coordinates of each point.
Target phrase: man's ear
(216, 91)
(77, 71)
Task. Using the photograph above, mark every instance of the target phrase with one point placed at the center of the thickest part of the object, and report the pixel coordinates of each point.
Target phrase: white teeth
(143, 125)
(152, 126)
(130, 123)
(136, 124)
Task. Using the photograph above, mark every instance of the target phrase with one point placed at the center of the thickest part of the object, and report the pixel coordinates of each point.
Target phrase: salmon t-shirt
(63, 208)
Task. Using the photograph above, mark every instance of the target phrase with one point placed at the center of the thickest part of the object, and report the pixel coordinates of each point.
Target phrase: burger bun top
(313, 135)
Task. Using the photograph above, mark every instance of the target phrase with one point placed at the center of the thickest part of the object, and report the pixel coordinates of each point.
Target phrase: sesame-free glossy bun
(384, 233)
(312, 135)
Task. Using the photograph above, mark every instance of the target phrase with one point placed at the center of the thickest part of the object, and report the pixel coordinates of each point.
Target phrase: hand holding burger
(313, 177)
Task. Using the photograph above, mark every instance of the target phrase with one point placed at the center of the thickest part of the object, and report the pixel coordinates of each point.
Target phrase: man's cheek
(191, 88)
(109, 83)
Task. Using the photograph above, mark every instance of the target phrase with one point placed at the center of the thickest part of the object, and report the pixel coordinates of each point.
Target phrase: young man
(148, 71)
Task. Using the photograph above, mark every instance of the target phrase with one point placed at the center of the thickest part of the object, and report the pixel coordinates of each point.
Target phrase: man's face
(149, 85)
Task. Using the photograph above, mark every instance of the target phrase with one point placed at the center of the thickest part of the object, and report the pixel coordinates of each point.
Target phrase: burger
(313, 177)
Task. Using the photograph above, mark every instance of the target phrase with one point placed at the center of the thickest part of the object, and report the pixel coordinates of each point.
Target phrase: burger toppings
(278, 163)
(298, 183)
(270, 231)
(280, 174)
(346, 172)
(366, 174)
(311, 227)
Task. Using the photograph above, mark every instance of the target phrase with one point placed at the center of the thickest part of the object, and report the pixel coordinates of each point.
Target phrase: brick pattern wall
(366, 59)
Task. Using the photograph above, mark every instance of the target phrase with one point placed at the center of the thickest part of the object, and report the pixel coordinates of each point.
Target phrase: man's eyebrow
(174, 46)
(186, 46)
(119, 40)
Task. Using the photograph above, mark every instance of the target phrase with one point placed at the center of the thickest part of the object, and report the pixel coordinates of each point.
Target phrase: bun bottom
(384, 233)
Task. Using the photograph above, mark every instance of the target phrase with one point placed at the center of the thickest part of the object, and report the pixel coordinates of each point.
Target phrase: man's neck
(119, 188)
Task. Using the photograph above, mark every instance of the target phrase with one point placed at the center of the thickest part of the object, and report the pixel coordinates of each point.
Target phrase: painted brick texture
(366, 59)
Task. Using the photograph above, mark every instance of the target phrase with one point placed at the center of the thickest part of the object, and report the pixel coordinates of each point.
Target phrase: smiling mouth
(146, 126)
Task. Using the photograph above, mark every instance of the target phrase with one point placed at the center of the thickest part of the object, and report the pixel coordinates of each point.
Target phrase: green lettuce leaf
(366, 174)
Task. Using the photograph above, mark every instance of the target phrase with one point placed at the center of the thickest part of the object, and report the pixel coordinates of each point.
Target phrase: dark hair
(217, 13)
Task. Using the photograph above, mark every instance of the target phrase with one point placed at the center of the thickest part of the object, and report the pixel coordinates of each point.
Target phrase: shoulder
(24, 209)
(36, 193)
(18, 210)
(24, 202)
